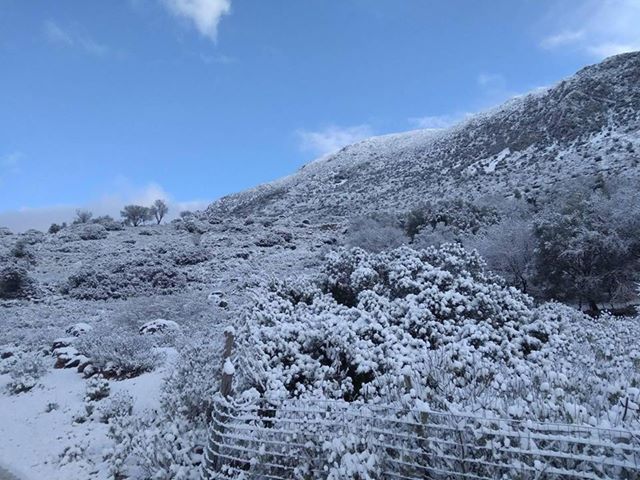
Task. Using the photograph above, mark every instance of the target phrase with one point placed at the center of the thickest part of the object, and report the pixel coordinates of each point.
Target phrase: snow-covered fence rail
(299, 439)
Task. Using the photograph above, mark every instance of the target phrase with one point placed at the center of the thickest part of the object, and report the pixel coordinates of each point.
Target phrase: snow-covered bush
(109, 223)
(83, 231)
(187, 309)
(119, 405)
(25, 372)
(168, 443)
(32, 237)
(118, 354)
(163, 448)
(378, 315)
(190, 388)
(191, 224)
(15, 282)
(21, 251)
(97, 389)
(190, 256)
(124, 280)
(376, 233)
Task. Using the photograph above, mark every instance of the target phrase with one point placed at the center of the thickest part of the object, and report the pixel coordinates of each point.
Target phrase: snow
(30, 438)
(228, 369)
(33, 440)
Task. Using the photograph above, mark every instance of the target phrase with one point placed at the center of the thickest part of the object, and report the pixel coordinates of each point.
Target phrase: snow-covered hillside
(111, 339)
(586, 124)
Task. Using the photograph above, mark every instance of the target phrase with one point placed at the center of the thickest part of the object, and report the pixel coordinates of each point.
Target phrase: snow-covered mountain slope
(587, 124)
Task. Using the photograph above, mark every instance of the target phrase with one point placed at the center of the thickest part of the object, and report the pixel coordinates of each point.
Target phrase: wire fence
(304, 439)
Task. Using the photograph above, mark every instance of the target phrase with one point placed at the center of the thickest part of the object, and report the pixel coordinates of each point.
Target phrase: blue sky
(103, 103)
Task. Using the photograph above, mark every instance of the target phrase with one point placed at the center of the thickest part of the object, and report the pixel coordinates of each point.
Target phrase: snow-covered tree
(509, 250)
(159, 209)
(136, 214)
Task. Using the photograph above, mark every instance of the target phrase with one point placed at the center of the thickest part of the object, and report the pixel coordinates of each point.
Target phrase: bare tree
(509, 248)
(159, 209)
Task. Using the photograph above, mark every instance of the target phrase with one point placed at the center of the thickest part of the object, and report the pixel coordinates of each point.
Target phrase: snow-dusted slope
(587, 124)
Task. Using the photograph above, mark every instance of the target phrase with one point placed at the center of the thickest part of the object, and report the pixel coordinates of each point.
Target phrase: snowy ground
(39, 437)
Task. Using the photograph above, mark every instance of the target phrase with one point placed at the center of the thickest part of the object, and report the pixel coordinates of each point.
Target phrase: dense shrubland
(376, 315)
(123, 280)
(429, 330)
(434, 326)
(579, 244)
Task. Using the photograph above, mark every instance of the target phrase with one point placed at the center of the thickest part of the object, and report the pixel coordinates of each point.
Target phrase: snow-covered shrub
(92, 231)
(15, 282)
(163, 448)
(26, 372)
(124, 280)
(377, 315)
(83, 231)
(97, 389)
(118, 354)
(191, 224)
(32, 237)
(119, 405)
(376, 233)
(109, 223)
(73, 453)
(351, 457)
(190, 388)
(168, 443)
(21, 251)
(188, 309)
(457, 216)
(190, 256)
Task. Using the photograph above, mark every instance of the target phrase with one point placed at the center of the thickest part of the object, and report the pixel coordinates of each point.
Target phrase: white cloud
(332, 138)
(57, 35)
(109, 204)
(493, 91)
(204, 14)
(491, 80)
(438, 122)
(562, 39)
(599, 28)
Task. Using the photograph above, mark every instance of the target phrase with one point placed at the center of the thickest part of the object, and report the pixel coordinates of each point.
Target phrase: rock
(5, 353)
(78, 329)
(159, 326)
(62, 343)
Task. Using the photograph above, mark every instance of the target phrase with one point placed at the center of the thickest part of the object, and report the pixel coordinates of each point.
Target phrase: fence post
(212, 460)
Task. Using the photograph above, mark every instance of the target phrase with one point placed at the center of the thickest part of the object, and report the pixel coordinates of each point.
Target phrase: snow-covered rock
(78, 329)
(159, 326)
